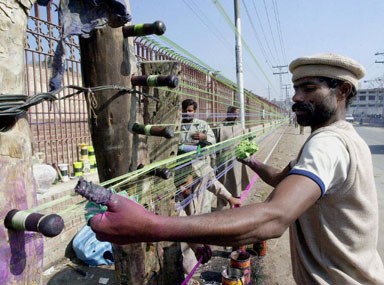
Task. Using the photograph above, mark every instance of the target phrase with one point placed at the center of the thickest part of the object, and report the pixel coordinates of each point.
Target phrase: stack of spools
(78, 168)
(87, 161)
(84, 159)
(92, 159)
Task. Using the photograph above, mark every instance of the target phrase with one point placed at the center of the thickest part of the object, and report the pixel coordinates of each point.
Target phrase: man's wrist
(158, 228)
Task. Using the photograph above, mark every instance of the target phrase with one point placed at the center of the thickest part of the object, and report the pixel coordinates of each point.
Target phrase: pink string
(248, 188)
(189, 276)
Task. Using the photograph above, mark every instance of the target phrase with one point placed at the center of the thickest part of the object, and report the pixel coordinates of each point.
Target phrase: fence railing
(59, 128)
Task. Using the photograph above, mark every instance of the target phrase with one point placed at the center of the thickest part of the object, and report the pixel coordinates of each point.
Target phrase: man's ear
(345, 90)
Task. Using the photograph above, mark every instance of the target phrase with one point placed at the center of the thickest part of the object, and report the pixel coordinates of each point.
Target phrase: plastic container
(91, 153)
(93, 165)
(86, 166)
(78, 168)
(241, 259)
(260, 247)
(84, 152)
(232, 276)
(63, 167)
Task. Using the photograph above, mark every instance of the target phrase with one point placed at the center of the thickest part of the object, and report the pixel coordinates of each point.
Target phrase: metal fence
(59, 128)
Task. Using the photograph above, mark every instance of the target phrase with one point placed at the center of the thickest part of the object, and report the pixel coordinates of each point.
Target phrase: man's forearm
(270, 175)
(244, 227)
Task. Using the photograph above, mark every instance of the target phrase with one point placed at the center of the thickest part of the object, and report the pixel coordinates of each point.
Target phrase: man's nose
(297, 96)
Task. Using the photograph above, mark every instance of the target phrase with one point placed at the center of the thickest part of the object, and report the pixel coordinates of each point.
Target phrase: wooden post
(105, 60)
(167, 110)
(21, 252)
(108, 59)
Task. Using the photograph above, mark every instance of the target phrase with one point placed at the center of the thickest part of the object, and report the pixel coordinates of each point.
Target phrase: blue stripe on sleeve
(310, 175)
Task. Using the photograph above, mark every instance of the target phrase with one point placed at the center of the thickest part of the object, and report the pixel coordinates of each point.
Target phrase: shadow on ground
(79, 275)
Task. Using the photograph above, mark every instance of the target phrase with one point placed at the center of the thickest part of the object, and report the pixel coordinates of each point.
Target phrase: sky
(273, 32)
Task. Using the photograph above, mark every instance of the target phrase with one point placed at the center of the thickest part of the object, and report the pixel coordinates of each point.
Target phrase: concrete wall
(68, 207)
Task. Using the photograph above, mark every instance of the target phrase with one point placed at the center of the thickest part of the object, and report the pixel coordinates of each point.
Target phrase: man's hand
(199, 136)
(234, 202)
(124, 222)
(185, 192)
(249, 161)
(269, 174)
(203, 251)
(186, 187)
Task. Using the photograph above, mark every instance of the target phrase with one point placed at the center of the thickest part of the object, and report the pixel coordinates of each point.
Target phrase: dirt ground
(276, 267)
(272, 269)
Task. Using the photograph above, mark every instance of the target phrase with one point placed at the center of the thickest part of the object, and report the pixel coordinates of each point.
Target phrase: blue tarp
(90, 250)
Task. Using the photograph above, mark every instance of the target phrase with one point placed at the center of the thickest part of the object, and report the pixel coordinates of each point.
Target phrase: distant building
(369, 103)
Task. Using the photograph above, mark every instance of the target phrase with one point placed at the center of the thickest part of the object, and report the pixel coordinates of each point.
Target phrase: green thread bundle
(246, 148)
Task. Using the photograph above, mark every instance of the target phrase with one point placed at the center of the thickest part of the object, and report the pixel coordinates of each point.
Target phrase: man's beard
(231, 118)
(187, 118)
(314, 115)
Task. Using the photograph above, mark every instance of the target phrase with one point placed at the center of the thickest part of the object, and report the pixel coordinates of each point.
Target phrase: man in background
(197, 133)
(201, 182)
(229, 170)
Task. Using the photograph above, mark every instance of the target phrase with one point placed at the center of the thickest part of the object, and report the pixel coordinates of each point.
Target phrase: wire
(14, 105)
(154, 190)
(247, 48)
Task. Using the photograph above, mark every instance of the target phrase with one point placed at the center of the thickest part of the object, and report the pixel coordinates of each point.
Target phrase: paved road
(374, 137)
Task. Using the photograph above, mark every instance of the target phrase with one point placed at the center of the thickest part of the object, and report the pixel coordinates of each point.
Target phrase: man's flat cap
(327, 65)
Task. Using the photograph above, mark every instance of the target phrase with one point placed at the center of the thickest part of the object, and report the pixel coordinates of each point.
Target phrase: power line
(279, 33)
(270, 28)
(225, 15)
(255, 32)
(263, 32)
(207, 22)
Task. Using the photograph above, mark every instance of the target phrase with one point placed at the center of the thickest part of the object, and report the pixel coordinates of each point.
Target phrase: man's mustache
(303, 107)
(186, 116)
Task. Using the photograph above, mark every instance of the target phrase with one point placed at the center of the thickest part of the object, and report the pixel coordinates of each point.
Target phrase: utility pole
(377, 61)
(280, 73)
(287, 99)
(239, 62)
(269, 93)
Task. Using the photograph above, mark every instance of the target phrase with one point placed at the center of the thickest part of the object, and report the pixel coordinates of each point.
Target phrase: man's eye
(309, 88)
